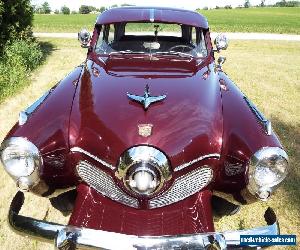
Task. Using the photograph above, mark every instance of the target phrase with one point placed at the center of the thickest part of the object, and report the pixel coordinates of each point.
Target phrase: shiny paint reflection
(187, 124)
(192, 215)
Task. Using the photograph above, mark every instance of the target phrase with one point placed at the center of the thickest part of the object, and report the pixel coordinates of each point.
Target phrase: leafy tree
(228, 7)
(65, 10)
(56, 11)
(247, 4)
(46, 8)
(262, 4)
(15, 20)
(84, 9)
(114, 6)
(102, 9)
(92, 8)
(284, 3)
(205, 8)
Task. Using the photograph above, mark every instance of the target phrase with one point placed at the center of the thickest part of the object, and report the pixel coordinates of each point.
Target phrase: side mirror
(221, 60)
(84, 37)
(221, 42)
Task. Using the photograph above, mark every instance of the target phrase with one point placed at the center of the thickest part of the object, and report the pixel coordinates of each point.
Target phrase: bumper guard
(69, 237)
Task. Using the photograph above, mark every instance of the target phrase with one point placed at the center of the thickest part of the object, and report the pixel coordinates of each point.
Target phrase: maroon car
(144, 141)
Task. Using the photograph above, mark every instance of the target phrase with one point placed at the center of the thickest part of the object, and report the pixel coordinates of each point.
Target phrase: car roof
(152, 14)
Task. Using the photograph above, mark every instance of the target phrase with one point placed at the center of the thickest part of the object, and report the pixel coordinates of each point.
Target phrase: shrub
(19, 53)
(28, 52)
(15, 20)
(18, 59)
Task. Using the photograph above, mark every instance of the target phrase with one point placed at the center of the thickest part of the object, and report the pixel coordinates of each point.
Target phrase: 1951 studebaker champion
(144, 140)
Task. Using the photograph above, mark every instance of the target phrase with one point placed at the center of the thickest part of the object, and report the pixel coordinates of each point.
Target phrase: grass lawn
(268, 72)
(270, 20)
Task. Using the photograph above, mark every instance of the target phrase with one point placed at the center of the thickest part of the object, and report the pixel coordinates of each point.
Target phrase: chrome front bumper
(69, 237)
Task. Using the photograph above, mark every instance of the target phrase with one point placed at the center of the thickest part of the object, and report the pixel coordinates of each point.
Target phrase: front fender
(47, 127)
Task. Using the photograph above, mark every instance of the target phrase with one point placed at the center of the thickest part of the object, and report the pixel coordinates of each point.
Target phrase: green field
(267, 72)
(270, 20)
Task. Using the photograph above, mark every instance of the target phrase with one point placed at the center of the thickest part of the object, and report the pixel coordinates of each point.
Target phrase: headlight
(268, 168)
(20, 157)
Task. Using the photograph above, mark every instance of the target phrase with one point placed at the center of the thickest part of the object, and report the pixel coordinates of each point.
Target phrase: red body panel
(243, 136)
(90, 109)
(146, 14)
(92, 210)
(187, 125)
(48, 129)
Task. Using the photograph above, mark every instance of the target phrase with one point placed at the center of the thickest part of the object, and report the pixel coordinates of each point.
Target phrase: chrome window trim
(203, 157)
(80, 150)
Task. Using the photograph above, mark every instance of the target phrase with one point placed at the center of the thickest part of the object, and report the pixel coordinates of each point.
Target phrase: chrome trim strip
(80, 150)
(23, 116)
(266, 124)
(151, 19)
(69, 236)
(180, 167)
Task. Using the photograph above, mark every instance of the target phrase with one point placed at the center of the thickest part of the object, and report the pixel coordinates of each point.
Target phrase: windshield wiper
(126, 52)
(181, 54)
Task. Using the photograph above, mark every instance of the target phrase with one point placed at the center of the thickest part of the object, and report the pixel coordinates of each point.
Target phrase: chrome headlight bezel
(267, 160)
(21, 151)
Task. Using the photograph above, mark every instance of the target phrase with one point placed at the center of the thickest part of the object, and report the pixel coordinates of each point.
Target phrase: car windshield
(151, 38)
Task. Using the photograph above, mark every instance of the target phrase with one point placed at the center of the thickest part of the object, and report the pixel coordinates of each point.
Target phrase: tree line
(84, 9)
(247, 4)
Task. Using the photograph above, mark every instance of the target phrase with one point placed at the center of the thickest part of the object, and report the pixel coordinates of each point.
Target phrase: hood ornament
(147, 99)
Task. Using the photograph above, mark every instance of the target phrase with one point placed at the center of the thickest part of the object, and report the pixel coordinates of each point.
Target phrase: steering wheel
(182, 47)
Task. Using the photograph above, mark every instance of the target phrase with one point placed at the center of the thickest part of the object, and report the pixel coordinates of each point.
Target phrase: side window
(199, 41)
(202, 43)
(106, 36)
(194, 36)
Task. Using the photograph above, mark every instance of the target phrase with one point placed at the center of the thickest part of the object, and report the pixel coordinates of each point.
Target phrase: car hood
(186, 125)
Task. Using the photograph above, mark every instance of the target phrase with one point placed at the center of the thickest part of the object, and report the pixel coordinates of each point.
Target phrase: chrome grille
(104, 184)
(184, 187)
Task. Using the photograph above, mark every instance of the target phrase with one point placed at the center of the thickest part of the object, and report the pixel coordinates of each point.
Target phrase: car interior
(117, 38)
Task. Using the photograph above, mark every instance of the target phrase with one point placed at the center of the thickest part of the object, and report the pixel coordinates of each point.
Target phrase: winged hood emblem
(146, 100)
